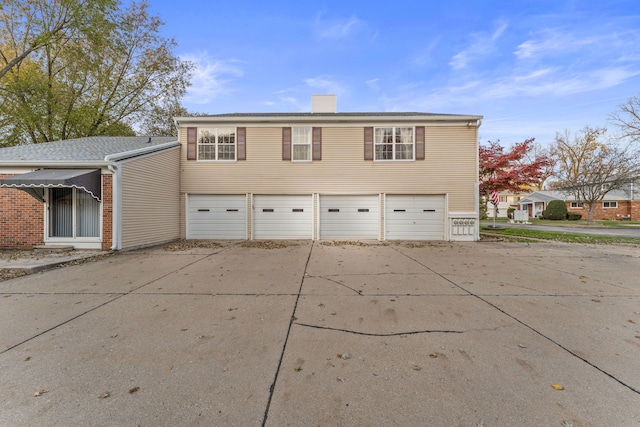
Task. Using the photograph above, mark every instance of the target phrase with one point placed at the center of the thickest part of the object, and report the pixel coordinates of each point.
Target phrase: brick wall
(107, 212)
(21, 219)
(624, 209)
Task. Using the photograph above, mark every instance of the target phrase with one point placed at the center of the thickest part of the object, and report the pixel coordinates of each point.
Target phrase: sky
(531, 68)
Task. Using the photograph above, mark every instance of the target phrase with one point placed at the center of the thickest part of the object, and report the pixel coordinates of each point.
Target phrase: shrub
(556, 210)
(510, 213)
(574, 216)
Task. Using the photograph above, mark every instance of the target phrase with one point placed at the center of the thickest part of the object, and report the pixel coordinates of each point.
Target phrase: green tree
(98, 82)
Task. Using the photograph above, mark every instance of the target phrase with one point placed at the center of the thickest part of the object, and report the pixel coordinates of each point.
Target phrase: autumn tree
(513, 170)
(103, 82)
(627, 119)
(30, 25)
(589, 166)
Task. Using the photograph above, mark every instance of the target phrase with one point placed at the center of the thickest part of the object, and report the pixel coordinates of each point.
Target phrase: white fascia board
(141, 151)
(326, 118)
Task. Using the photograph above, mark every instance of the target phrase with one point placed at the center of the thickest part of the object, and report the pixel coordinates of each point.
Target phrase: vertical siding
(150, 200)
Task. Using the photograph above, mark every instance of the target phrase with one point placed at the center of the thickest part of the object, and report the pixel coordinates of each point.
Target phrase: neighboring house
(617, 205)
(95, 193)
(319, 175)
(328, 175)
(507, 200)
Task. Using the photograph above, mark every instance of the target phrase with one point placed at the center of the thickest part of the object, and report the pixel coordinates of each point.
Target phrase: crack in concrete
(336, 282)
(370, 334)
(286, 339)
(531, 328)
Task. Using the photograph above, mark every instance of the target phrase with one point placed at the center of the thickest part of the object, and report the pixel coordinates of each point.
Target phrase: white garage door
(217, 217)
(282, 217)
(349, 217)
(414, 217)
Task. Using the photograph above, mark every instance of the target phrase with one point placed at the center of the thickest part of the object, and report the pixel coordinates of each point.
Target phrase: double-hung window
(217, 144)
(608, 205)
(301, 144)
(394, 143)
(577, 205)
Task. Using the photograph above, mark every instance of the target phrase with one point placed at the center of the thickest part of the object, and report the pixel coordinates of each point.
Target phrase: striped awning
(35, 182)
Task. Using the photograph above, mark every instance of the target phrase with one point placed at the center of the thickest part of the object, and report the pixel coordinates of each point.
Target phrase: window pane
(87, 215)
(207, 152)
(301, 152)
(404, 151)
(61, 212)
(226, 152)
(384, 152)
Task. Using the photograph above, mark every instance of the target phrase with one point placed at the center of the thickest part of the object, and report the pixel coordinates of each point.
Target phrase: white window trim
(610, 203)
(413, 151)
(215, 144)
(578, 205)
(309, 144)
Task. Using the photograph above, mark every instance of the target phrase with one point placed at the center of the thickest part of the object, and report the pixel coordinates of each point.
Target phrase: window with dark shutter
(241, 141)
(368, 143)
(419, 142)
(317, 143)
(286, 143)
(192, 143)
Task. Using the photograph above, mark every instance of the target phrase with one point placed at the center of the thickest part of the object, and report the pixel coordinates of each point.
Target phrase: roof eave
(324, 118)
(53, 163)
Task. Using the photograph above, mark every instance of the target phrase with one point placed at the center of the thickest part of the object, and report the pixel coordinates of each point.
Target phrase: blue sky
(531, 68)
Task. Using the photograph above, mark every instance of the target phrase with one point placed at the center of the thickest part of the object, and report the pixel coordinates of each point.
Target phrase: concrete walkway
(314, 334)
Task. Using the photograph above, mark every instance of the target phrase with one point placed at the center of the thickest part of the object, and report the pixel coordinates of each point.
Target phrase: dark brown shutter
(368, 143)
(286, 143)
(241, 142)
(317, 143)
(192, 143)
(419, 142)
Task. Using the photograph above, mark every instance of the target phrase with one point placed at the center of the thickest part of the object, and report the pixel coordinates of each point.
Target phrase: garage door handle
(203, 210)
(267, 210)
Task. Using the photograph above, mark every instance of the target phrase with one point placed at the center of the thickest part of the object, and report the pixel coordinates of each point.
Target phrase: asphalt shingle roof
(94, 148)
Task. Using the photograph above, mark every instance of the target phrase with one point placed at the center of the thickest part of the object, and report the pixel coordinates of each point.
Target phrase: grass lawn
(581, 223)
(520, 234)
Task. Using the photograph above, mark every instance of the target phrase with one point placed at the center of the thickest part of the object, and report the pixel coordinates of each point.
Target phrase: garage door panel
(414, 217)
(349, 217)
(282, 217)
(217, 217)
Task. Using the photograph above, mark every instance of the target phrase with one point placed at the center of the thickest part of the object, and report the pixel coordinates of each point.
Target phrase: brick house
(616, 205)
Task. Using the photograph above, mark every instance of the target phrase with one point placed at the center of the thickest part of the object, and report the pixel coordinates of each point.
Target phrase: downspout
(116, 202)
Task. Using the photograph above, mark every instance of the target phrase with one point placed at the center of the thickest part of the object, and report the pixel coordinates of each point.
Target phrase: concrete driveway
(439, 334)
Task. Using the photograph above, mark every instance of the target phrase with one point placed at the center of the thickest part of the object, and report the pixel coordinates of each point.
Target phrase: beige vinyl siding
(150, 200)
(450, 167)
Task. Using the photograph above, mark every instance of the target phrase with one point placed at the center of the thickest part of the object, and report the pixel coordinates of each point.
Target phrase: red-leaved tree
(512, 170)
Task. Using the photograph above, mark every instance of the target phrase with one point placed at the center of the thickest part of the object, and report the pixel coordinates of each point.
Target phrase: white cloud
(338, 28)
(483, 45)
(211, 77)
(373, 83)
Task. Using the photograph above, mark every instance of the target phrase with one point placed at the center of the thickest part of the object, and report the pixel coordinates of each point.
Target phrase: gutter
(471, 121)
